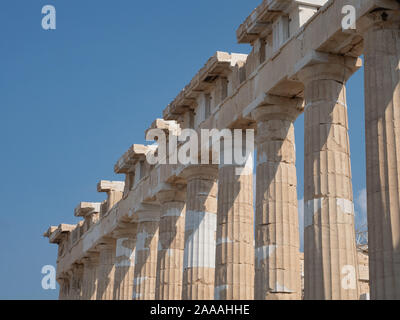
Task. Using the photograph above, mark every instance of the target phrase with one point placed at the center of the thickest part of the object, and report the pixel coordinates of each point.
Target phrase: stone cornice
(58, 234)
(86, 209)
(107, 186)
(218, 65)
(260, 19)
(168, 126)
(127, 162)
(259, 22)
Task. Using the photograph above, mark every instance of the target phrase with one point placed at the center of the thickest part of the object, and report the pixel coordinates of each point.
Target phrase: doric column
(63, 282)
(234, 266)
(382, 120)
(144, 282)
(90, 271)
(76, 277)
(200, 232)
(331, 266)
(277, 235)
(70, 293)
(124, 261)
(171, 244)
(105, 282)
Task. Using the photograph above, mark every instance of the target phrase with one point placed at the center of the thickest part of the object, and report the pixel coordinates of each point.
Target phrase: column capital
(125, 231)
(94, 257)
(279, 108)
(77, 269)
(266, 99)
(174, 193)
(205, 172)
(323, 66)
(148, 212)
(385, 17)
(106, 243)
(63, 277)
(91, 259)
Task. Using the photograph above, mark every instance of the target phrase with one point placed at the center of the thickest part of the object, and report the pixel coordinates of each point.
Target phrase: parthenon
(193, 231)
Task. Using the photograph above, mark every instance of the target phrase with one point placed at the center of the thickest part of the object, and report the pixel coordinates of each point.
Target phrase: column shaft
(105, 283)
(277, 234)
(90, 271)
(331, 267)
(382, 117)
(144, 282)
(64, 288)
(124, 264)
(76, 282)
(171, 245)
(200, 233)
(234, 269)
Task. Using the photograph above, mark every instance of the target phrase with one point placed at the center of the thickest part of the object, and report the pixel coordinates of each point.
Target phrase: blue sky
(73, 100)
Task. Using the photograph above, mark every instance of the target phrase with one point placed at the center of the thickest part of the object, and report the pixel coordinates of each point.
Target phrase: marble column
(382, 126)
(70, 291)
(277, 235)
(144, 282)
(234, 266)
(200, 232)
(330, 256)
(171, 244)
(63, 282)
(76, 282)
(105, 285)
(90, 272)
(124, 262)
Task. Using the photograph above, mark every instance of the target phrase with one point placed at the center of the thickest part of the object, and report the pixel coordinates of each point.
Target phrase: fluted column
(90, 272)
(277, 235)
(234, 266)
(76, 282)
(382, 125)
(200, 232)
(144, 282)
(64, 287)
(124, 262)
(331, 267)
(105, 285)
(171, 244)
(70, 289)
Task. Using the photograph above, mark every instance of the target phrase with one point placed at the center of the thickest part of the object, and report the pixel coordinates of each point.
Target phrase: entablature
(58, 234)
(218, 66)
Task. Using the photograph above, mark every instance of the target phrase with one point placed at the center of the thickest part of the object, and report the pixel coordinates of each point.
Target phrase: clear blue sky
(74, 99)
